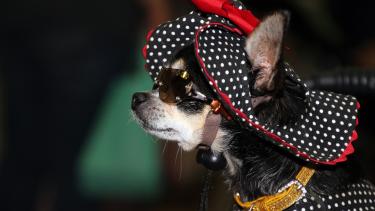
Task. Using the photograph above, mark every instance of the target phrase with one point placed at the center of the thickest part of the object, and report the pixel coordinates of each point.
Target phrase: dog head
(180, 121)
(183, 121)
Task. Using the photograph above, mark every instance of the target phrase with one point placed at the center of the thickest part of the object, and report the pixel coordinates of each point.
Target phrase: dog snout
(138, 99)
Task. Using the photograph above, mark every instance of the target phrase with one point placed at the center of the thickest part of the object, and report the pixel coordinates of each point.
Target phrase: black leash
(203, 206)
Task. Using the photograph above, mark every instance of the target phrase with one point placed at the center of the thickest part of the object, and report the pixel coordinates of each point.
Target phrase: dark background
(57, 59)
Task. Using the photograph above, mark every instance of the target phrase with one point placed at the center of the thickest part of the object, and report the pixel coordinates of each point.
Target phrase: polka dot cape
(323, 134)
(354, 197)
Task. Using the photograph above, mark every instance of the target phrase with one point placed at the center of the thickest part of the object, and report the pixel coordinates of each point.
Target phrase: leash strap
(205, 190)
(211, 126)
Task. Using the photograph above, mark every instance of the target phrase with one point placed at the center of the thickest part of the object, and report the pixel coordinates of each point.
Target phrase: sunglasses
(177, 85)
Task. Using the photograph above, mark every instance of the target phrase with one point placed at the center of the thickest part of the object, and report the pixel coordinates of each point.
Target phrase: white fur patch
(167, 122)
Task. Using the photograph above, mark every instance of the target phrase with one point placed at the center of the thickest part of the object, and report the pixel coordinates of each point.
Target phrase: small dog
(254, 167)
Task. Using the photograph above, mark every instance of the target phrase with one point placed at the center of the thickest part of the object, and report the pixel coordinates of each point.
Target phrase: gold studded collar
(284, 198)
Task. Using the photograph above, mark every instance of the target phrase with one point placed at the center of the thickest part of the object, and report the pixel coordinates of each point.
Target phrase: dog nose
(138, 98)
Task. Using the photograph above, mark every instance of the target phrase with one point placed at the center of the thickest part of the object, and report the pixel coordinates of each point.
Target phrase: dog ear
(264, 48)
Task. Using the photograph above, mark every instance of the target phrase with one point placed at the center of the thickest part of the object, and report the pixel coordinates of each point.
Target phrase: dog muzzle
(175, 86)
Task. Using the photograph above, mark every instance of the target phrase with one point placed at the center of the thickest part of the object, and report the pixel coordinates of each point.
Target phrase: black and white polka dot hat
(324, 132)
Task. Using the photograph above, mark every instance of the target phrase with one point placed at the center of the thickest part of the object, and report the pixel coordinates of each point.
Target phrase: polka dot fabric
(224, 61)
(354, 197)
(323, 133)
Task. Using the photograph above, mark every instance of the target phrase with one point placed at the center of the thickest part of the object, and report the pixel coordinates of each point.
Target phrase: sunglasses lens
(173, 85)
(164, 94)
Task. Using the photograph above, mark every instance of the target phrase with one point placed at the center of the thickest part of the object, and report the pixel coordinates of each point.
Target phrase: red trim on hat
(148, 36)
(350, 149)
(342, 158)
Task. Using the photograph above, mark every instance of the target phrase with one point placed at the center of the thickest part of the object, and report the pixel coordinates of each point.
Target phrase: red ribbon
(244, 19)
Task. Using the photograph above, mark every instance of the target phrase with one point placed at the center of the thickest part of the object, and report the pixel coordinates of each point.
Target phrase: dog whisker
(134, 118)
(177, 153)
(165, 147)
(180, 175)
